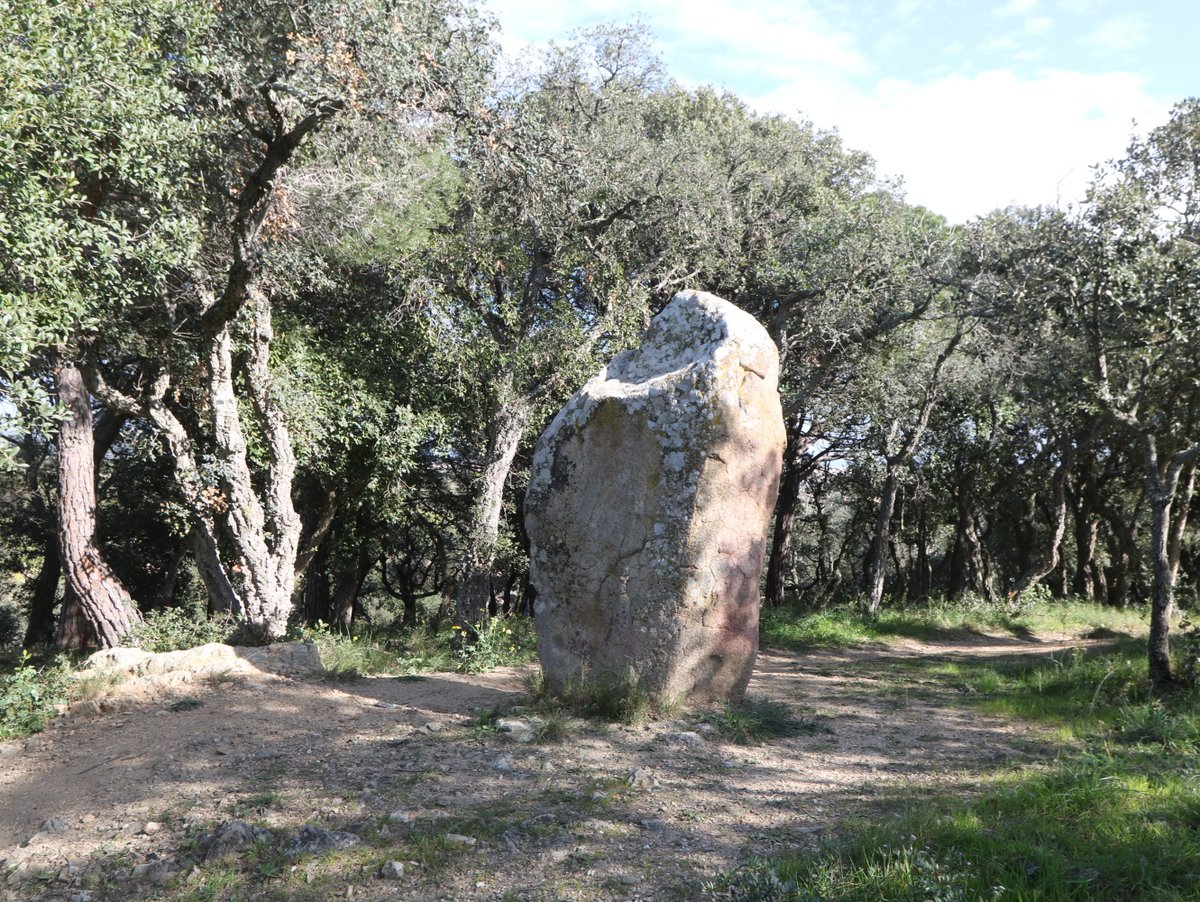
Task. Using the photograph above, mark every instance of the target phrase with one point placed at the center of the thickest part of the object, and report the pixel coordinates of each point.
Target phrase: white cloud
(905, 8)
(770, 36)
(1116, 35)
(969, 144)
(1038, 25)
(1015, 8)
(964, 143)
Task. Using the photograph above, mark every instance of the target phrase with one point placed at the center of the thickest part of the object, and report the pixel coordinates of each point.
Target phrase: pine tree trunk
(104, 605)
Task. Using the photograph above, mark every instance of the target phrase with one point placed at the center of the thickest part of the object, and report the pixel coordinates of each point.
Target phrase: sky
(975, 105)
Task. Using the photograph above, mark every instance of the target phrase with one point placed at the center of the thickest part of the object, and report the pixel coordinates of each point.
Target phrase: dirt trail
(613, 812)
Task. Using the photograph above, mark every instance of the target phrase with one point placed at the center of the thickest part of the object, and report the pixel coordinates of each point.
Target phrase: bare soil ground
(611, 812)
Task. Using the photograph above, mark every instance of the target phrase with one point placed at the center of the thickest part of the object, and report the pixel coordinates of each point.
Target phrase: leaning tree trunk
(877, 567)
(508, 422)
(1049, 560)
(1179, 520)
(40, 628)
(785, 510)
(103, 603)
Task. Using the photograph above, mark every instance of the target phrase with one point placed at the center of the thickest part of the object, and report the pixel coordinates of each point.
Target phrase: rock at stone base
(156, 872)
(648, 506)
(55, 825)
(393, 870)
(517, 729)
(686, 738)
(315, 841)
(229, 838)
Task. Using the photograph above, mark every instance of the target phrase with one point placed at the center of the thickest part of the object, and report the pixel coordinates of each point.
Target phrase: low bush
(348, 656)
(30, 696)
(497, 642)
(174, 629)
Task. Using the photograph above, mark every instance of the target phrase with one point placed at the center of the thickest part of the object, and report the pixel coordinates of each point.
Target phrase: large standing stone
(648, 506)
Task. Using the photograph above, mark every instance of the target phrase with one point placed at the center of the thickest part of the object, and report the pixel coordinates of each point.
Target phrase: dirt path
(612, 812)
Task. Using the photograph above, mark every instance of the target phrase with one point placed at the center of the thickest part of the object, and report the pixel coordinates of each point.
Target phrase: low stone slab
(215, 657)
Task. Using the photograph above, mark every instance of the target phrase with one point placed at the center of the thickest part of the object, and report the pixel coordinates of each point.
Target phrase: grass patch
(347, 656)
(848, 624)
(1078, 690)
(1115, 816)
(1100, 826)
(621, 699)
(758, 720)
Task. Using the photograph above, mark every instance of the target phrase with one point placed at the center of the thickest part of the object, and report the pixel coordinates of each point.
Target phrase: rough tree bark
(794, 472)
(1162, 483)
(102, 602)
(510, 415)
(1046, 564)
(244, 542)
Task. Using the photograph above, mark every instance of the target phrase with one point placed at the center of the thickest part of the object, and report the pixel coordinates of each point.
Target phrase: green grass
(411, 652)
(1116, 815)
(758, 720)
(620, 700)
(848, 624)
(1081, 692)
(1122, 825)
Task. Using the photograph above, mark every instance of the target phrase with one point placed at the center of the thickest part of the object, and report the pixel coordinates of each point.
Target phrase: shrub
(346, 656)
(622, 699)
(499, 642)
(29, 697)
(173, 629)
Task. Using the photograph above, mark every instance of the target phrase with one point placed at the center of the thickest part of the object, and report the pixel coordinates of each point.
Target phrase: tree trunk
(981, 575)
(349, 585)
(1162, 483)
(1159, 650)
(922, 582)
(960, 556)
(40, 628)
(222, 598)
(901, 457)
(785, 511)
(1087, 533)
(164, 592)
(877, 568)
(1181, 508)
(104, 605)
(1046, 565)
(509, 417)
